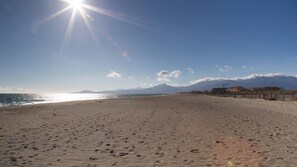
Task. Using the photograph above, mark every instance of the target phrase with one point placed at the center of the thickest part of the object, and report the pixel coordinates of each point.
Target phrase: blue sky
(145, 42)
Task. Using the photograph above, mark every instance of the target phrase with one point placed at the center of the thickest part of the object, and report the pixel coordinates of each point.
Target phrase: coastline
(106, 96)
(173, 130)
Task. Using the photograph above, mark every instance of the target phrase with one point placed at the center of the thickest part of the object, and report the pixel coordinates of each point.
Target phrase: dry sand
(178, 130)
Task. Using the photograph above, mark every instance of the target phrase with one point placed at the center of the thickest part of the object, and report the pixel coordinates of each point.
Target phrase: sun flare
(76, 4)
(80, 7)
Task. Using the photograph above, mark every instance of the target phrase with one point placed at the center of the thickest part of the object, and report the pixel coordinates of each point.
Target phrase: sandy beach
(177, 130)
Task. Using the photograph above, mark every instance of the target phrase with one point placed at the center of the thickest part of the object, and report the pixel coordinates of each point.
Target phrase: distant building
(236, 89)
(219, 90)
(264, 89)
(198, 92)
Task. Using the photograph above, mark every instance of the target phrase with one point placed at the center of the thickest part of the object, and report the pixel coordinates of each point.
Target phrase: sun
(81, 8)
(77, 4)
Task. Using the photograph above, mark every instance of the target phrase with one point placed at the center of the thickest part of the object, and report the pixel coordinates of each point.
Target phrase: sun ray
(74, 3)
(78, 6)
(83, 14)
(53, 16)
(112, 14)
(69, 28)
(66, 1)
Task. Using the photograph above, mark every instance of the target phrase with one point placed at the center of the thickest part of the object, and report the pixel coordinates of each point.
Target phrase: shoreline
(119, 96)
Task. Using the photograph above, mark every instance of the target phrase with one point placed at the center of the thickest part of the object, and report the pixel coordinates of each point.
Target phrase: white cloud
(131, 77)
(224, 68)
(190, 70)
(114, 75)
(238, 78)
(173, 84)
(164, 75)
(13, 90)
(206, 79)
(175, 74)
(160, 79)
(259, 75)
(144, 84)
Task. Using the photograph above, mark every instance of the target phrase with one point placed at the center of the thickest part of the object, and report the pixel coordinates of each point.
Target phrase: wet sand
(177, 130)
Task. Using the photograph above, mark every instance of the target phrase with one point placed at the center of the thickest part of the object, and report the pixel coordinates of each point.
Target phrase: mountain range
(282, 81)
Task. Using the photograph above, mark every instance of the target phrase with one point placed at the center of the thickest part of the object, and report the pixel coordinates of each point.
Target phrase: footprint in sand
(194, 151)
(232, 151)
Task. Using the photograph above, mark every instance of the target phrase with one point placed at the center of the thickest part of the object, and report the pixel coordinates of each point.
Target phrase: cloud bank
(238, 78)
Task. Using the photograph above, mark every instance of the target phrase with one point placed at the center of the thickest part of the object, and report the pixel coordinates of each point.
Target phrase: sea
(30, 99)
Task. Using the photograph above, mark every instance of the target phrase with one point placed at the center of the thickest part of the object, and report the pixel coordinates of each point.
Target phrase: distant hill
(159, 89)
(85, 91)
(123, 91)
(285, 82)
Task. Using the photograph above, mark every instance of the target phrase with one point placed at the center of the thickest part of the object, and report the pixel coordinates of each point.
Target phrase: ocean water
(26, 99)
(29, 99)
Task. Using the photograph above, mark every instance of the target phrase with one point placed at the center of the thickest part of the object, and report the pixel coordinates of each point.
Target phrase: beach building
(219, 90)
(236, 89)
(265, 89)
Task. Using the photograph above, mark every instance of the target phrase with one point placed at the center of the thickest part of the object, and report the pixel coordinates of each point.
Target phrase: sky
(140, 43)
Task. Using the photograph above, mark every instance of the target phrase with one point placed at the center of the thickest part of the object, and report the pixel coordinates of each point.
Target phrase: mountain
(124, 91)
(285, 82)
(85, 91)
(208, 85)
(159, 89)
(282, 81)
